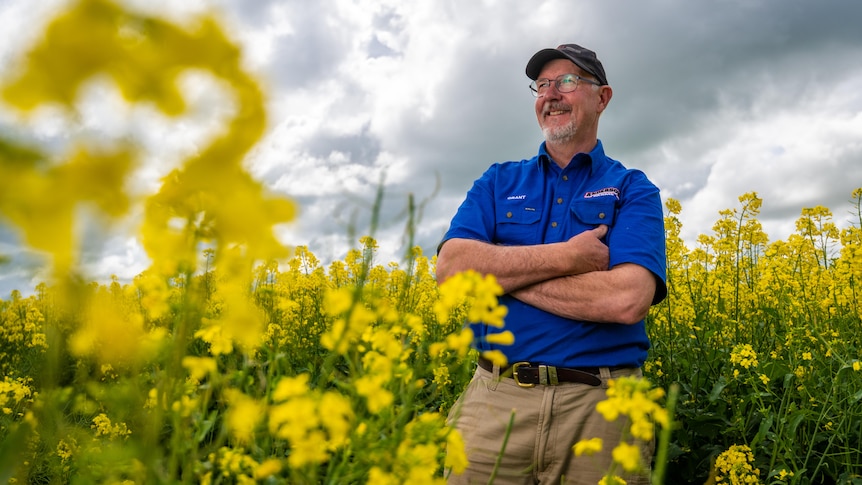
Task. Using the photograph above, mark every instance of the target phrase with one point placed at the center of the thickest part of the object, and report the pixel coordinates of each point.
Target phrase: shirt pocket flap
(517, 214)
(595, 211)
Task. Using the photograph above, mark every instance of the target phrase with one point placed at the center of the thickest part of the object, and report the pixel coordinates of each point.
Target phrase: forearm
(514, 267)
(621, 295)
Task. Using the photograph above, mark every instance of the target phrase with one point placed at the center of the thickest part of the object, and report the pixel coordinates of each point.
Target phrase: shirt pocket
(517, 224)
(592, 212)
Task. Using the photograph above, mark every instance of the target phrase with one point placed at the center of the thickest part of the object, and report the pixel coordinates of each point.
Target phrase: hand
(588, 252)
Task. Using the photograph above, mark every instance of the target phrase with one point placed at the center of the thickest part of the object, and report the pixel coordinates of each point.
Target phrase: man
(576, 240)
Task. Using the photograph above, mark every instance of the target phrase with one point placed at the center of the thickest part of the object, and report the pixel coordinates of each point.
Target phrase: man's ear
(605, 94)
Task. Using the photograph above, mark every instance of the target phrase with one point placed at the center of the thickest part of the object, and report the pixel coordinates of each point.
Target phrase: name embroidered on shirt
(516, 197)
(603, 192)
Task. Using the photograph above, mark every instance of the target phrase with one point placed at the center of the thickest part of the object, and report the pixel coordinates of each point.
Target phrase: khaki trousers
(548, 421)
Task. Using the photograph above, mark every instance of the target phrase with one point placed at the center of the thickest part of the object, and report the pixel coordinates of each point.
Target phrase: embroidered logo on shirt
(516, 197)
(603, 192)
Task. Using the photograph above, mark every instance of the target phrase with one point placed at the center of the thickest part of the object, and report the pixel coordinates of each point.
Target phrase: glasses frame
(557, 81)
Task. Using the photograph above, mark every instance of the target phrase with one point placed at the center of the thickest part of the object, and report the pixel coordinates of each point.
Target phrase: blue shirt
(536, 202)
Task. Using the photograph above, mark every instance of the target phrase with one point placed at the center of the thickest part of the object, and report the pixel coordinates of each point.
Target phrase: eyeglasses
(564, 84)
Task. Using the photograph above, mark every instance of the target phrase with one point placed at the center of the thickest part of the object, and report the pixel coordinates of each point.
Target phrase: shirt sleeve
(637, 235)
(475, 216)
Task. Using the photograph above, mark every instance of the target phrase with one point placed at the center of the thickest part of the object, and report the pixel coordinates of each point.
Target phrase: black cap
(582, 57)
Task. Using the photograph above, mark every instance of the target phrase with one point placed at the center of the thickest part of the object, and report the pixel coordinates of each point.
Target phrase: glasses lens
(567, 83)
(540, 86)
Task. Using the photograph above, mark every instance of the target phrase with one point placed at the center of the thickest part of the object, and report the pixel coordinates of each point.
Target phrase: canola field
(234, 359)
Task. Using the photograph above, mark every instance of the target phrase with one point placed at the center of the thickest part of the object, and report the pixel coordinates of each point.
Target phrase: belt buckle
(515, 367)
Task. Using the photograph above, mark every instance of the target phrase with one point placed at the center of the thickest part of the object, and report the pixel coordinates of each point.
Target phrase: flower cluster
(743, 355)
(638, 401)
(734, 466)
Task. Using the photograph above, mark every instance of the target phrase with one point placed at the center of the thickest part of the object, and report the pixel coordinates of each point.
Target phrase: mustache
(555, 106)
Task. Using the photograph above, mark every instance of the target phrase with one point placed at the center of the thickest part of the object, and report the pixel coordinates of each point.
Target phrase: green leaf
(762, 430)
(717, 388)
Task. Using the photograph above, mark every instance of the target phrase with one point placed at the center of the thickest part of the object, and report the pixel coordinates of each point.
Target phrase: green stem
(664, 438)
(502, 449)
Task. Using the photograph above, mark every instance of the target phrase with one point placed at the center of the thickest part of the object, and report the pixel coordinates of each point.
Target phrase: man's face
(562, 115)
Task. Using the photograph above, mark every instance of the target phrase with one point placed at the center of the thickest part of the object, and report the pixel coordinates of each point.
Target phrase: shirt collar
(597, 153)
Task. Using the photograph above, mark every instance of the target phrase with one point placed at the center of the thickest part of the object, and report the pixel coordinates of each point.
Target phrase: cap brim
(539, 59)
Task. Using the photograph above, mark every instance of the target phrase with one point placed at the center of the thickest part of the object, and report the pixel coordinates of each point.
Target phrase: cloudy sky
(711, 99)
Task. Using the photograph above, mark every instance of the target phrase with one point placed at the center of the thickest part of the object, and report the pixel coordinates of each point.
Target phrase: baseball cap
(582, 57)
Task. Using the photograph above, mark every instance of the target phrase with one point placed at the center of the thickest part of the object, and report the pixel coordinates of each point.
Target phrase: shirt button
(601, 215)
(560, 200)
(553, 224)
(508, 214)
(565, 177)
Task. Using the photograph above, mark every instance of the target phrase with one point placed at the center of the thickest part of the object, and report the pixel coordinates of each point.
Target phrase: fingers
(600, 231)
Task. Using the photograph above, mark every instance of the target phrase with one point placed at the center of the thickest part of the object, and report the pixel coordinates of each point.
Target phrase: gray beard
(560, 134)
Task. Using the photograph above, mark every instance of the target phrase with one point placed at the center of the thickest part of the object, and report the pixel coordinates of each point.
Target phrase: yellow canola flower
(104, 427)
(267, 468)
(744, 355)
(289, 387)
(213, 334)
(634, 398)
(42, 201)
(112, 336)
(587, 447)
(377, 398)
(734, 466)
(210, 198)
(337, 301)
(479, 294)
(612, 480)
(199, 367)
(456, 454)
(66, 449)
(314, 423)
(241, 321)
(243, 415)
(628, 456)
(354, 319)
(14, 390)
(501, 338)
(339, 417)
(496, 357)
(460, 341)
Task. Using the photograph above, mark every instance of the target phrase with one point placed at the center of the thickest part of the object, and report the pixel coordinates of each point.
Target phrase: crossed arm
(570, 279)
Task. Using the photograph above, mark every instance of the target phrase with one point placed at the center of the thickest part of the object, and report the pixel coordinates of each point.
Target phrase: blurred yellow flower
(628, 456)
(376, 396)
(113, 335)
(267, 468)
(243, 415)
(289, 387)
(460, 341)
(501, 338)
(612, 480)
(496, 357)
(587, 447)
(199, 367)
(456, 456)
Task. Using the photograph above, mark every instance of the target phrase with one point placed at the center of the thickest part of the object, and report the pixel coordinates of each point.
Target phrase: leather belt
(529, 375)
